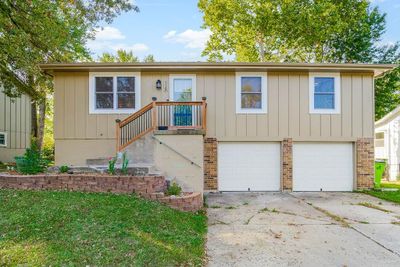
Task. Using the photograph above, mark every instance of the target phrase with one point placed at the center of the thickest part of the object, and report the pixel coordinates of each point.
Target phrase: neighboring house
(15, 126)
(266, 126)
(387, 138)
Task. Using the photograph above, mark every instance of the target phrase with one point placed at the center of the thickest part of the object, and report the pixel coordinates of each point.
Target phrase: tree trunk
(42, 118)
(34, 122)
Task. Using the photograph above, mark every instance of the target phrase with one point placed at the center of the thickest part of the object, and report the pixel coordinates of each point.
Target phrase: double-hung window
(114, 93)
(251, 93)
(324, 93)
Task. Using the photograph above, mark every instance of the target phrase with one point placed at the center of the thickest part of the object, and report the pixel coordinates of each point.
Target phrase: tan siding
(368, 113)
(346, 105)
(80, 97)
(230, 109)
(273, 105)
(283, 117)
(357, 120)
(288, 108)
(219, 109)
(304, 116)
(15, 122)
(294, 105)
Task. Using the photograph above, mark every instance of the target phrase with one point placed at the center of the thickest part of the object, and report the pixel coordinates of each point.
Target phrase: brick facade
(287, 164)
(365, 169)
(210, 164)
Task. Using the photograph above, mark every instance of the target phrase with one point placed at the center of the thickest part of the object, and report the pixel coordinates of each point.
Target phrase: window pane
(104, 101)
(182, 89)
(251, 100)
(324, 84)
(126, 84)
(379, 135)
(126, 100)
(2, 139)
(324, 101)
(251, 84)
(104, 84)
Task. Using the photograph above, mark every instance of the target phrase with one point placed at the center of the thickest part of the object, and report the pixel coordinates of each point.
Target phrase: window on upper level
(114, 93)
(251, 93)
(324, 93)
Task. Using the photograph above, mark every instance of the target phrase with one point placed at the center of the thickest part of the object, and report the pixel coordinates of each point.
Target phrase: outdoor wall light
(158, 84)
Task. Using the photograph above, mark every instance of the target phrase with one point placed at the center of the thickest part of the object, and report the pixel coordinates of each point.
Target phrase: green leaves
(34, 32)
(292, 30)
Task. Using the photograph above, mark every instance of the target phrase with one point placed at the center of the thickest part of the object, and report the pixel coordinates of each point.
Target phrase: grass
(393, 196)
(372, 206)
(46, 228)
(390, 185)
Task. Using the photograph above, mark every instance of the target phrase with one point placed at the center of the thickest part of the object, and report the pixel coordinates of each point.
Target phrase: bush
(174, 190)
(64, 169)
(32, 162)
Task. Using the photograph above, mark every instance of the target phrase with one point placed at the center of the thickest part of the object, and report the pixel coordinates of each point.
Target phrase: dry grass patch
(372, 206)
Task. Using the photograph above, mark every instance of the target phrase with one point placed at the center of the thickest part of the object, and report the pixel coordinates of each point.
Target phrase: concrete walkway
(302, 229)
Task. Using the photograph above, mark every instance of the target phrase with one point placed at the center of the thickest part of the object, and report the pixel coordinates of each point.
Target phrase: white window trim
(336, 77)
(92, 93)
(5, 139)
(182, 76)
(264, 93)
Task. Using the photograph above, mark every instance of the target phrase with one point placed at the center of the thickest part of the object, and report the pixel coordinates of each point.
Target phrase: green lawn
(393, 196)
(70, 228)
(390, 185)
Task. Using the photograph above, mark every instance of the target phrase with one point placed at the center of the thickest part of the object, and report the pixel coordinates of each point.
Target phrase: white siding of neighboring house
(391, 147)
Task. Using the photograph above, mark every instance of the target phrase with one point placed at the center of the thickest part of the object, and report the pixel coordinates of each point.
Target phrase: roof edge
(377, 69)
(388, 117)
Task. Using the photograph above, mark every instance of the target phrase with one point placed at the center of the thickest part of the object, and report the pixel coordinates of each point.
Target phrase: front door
(182, 90)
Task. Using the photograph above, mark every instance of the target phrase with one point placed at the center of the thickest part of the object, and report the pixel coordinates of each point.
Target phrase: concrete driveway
(302, 229)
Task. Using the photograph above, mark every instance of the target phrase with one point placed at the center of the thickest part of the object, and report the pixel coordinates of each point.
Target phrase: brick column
(365, 170)
(210, 164)
(287, 164)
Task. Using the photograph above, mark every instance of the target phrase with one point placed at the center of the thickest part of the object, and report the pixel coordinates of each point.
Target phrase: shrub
(64, 168)
(32, 162)
(125, 162)
(174, 190)
(111, 165)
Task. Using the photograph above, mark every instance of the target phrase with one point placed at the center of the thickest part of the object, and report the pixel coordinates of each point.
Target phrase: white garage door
(322, 166)
(249, 166)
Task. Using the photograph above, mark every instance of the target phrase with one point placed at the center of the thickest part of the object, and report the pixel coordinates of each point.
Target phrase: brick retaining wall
(150, 187)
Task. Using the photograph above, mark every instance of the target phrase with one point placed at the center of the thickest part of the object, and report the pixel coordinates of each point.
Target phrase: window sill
(324, 111)
(251, 111)
(112, 111)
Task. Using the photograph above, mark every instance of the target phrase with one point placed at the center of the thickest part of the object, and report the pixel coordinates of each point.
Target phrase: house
(15, 126)
(387, 138)
(223, 126)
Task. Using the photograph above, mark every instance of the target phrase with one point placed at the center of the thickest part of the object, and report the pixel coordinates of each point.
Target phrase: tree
(387, 88)
(34, 32)
(149, 59)
(292, 30)
(121, 56)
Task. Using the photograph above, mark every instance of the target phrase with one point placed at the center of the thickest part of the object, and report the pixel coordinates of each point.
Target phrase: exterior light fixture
(158, 84)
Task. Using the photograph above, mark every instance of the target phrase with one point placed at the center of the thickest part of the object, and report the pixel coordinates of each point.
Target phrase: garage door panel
(326, 166)
(249, 165)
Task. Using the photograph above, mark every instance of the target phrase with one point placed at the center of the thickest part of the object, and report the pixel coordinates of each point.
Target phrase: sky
(171, 30)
